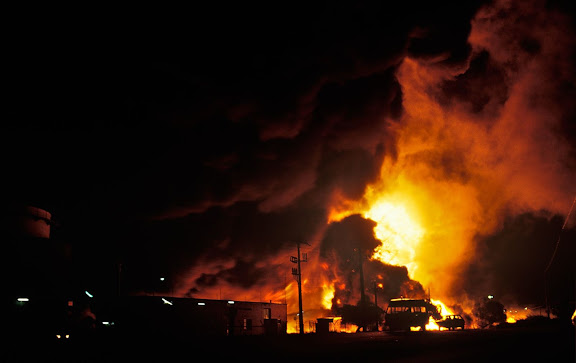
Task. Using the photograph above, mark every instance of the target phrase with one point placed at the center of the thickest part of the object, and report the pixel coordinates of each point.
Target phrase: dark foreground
(546, 343)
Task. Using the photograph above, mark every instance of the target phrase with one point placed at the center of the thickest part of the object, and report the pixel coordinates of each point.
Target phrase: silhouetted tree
(363, 315)
(489, 312)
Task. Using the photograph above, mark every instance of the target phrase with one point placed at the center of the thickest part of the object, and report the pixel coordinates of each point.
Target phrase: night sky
(162, 138)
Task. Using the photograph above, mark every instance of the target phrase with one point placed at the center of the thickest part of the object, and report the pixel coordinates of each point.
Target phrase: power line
(559, 236)
(553, 257)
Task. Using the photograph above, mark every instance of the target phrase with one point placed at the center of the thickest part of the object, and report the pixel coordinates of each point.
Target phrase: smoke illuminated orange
(457, 170)
(455, 173)
(399, 233)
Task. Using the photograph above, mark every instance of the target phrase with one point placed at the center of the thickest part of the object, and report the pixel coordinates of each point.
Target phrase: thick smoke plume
(497, 150)
(435, 144)
(469, 133)
(432, 144)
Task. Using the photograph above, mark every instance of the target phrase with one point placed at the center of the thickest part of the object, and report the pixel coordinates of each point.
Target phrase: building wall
(256, 318)
(196, 317)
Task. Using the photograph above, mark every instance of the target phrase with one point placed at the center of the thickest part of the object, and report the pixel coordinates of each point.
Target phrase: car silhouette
(451, 322)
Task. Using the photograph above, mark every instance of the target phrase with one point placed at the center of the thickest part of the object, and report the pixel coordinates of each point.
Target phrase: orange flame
(450, 179)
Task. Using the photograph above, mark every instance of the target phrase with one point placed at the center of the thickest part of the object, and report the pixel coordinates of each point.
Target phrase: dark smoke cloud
(349, 235)
(222, 135)
(243, 274)
(512, 263)
(350, 242)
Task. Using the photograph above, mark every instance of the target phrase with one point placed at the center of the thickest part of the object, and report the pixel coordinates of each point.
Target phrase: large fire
(425, 221)
(447, 183)
(450, 180)
(405, 240)
(399, 233)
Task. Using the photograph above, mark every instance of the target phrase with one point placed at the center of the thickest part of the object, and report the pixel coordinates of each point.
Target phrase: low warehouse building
(196, 317)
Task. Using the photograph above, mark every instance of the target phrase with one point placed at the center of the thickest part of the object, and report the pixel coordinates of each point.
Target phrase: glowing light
(443, 309)
(167, 302)
(88, 294)
(327, 296)
(23, 299)
(340, 327)
(432, 324)
(201, 304)
(399, 233)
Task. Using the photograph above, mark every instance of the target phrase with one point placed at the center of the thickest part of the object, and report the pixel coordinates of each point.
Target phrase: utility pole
(363, 302)
(361, 270)
(297, 272)
(375, 293)
(376, 305)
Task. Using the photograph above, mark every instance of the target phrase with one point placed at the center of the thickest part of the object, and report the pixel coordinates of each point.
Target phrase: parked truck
(402, 314)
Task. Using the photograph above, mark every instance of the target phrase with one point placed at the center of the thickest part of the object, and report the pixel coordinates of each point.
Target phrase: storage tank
(33, 222)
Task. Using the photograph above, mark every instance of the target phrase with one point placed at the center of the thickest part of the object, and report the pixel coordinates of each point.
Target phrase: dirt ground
(546, 343)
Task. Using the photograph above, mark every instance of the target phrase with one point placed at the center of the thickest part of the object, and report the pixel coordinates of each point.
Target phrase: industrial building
(46, 291)
(183, 317)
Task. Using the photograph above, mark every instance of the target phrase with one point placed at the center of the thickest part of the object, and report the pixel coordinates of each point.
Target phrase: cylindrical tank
(34, 222)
